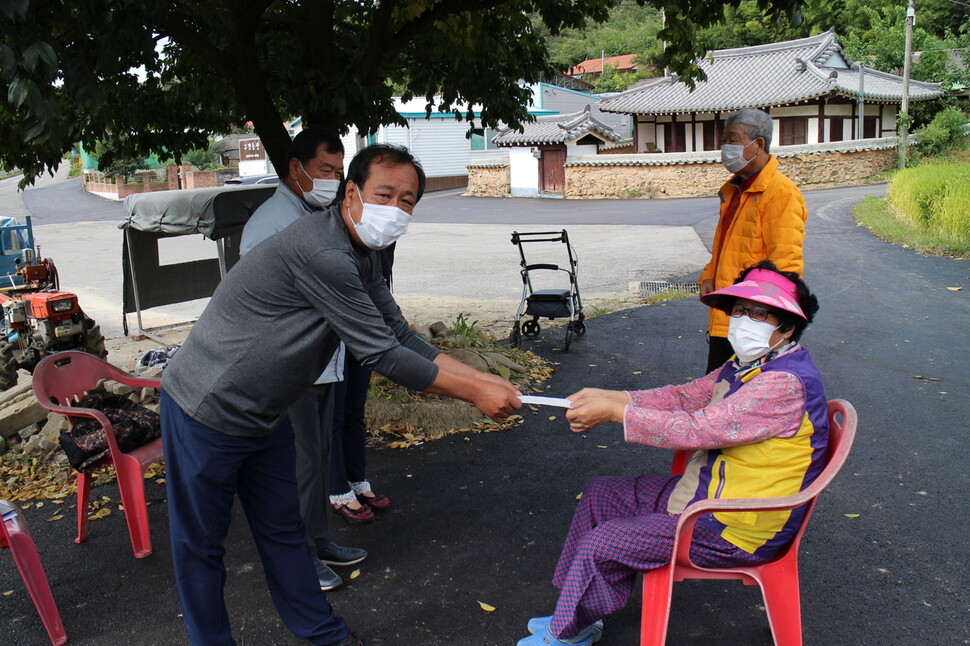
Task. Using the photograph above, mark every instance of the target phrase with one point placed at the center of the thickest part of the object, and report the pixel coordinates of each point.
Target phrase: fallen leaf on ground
(552, 418)
(355, 574)
(101, 513)
(486, 607)
(954, 289)
(638, 372)
(8, 593)
(851, 515)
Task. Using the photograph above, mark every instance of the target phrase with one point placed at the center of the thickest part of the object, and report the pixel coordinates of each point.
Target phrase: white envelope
(546, 401)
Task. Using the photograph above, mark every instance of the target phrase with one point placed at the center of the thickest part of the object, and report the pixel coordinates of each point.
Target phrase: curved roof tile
(556, 129)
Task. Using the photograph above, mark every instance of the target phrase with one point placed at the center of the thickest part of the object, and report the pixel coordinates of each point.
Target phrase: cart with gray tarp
(218, 214)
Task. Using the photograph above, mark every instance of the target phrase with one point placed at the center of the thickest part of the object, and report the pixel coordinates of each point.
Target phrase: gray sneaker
(334, 554)
(328, 578)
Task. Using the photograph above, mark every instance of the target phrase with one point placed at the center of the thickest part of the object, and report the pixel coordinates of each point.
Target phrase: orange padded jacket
(768, 225)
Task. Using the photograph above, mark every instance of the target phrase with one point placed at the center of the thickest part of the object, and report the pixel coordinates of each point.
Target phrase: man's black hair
(806, 300)
(306, 144)
(360, 166)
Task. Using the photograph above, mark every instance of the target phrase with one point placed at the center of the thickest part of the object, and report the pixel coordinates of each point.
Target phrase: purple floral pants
(621, 527)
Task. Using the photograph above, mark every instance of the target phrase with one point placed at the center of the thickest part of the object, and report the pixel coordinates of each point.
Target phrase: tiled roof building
(807, 85)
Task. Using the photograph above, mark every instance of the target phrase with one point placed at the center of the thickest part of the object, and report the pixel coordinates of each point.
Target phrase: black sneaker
(334, 554)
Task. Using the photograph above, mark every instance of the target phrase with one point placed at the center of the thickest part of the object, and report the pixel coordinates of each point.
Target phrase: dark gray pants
(312, 419)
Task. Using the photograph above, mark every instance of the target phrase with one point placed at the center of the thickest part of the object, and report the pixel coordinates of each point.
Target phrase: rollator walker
(547, 303)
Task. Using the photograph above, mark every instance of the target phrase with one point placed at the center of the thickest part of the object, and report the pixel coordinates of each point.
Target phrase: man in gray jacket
(310, 184)
(266, 335)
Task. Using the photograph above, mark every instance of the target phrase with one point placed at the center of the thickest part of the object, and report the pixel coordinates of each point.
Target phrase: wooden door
(552, 169)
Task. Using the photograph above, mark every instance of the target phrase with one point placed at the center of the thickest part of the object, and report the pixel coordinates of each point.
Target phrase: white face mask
(732, 156)
(381, 225)
(750, 339)
(323, 191)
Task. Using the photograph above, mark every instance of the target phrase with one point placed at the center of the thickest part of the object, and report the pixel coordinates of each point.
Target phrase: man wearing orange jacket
(762, 218)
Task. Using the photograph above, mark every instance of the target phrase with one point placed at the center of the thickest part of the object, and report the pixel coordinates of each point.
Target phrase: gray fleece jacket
(273, 323)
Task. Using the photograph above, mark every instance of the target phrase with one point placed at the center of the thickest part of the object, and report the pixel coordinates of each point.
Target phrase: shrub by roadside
(934, 198)
(880, 217)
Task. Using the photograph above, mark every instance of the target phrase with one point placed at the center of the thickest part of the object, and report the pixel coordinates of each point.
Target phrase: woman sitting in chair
(758, 429)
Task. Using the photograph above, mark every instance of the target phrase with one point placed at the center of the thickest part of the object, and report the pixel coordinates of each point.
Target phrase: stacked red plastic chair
(15, 536)
(65, 377)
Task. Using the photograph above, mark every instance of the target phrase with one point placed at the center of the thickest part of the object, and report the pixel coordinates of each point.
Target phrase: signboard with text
(251, 150)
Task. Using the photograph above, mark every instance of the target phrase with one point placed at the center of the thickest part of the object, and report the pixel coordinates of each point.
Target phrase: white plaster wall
(523, 171)
(573, 149)
(646, 132)
(812, 136)
(889, 118)
(698, 139)
(839, 110)
(807, 110)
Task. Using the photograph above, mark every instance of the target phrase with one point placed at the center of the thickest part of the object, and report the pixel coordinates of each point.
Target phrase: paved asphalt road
(482, 517)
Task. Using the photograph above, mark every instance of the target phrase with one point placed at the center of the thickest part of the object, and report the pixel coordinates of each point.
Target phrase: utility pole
(903, 128)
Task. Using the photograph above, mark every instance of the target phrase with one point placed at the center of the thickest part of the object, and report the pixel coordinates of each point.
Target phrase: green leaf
(17, 92)
(7, 61)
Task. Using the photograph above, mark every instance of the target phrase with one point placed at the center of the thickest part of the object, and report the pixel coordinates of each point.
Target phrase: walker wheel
(569, 336)
(580, 328)
(530, 328)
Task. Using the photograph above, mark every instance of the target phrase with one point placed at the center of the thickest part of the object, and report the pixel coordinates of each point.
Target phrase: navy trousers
(312, 419)
(205, 470)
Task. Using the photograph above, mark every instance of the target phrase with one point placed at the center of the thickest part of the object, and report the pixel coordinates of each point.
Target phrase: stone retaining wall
(627, 179)
(488, 181)
(692, 180)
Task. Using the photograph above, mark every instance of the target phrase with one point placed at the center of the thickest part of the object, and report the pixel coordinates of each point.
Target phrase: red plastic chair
(778, 578)
(65, 377)
(15, 536)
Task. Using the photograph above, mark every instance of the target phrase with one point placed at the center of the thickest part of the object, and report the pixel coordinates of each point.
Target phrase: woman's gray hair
(756, 124)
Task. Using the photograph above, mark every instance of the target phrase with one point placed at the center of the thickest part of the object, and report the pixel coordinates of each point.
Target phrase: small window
(481, 139)
(478, 139)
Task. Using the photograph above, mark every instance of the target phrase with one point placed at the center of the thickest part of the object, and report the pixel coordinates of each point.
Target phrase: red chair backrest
(65, 377)
(841, 436)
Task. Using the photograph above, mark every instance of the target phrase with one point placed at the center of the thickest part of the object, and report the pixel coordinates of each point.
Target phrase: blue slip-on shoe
(545, 638)
(539, 624)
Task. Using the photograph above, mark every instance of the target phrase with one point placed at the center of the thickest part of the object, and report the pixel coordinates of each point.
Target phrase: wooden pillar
(821, 120)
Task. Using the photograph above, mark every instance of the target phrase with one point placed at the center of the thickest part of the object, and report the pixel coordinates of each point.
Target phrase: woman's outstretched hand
(592, 407)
